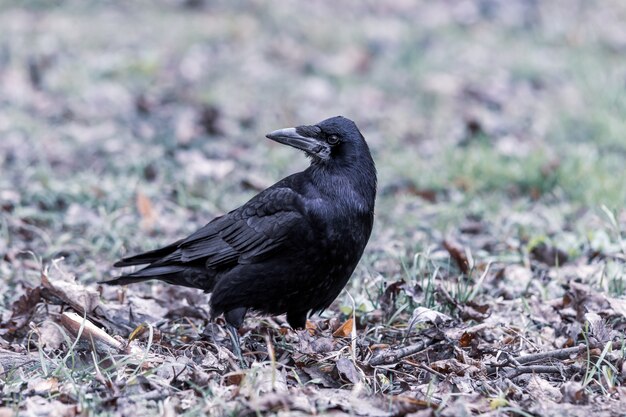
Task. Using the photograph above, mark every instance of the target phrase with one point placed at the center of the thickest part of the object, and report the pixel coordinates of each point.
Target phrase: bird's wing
(265, 223)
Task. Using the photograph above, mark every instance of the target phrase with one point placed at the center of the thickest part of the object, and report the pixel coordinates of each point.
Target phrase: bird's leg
(297, 321)
(234, 319)
(234, 338)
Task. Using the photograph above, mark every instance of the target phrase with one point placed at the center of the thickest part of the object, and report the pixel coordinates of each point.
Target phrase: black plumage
(292, 247)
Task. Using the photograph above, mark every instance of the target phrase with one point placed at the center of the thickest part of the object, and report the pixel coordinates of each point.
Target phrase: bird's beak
(310, 144)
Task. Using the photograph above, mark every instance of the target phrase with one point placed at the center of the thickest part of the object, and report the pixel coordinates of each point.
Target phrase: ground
(493, 283)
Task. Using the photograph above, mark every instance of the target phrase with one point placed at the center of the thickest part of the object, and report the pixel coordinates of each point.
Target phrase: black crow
(292, 247)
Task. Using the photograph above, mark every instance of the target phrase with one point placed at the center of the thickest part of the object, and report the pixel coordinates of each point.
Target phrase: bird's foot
(234, 338)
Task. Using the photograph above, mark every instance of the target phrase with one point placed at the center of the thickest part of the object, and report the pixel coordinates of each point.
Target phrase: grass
(472, 117)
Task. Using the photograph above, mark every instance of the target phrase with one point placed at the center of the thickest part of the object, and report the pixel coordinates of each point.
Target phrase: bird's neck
(353, 184)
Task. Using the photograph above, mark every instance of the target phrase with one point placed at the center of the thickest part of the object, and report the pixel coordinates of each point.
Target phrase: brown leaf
(310, 327)
(234, 378)
(336, 399)
(322, 345)
(541, 390)
(22, 311)
(388, 299)
(145, 209)
(474, 311)
(453, 366)
(458, 253)
(345, 330)
(26, 303)
(574, 393)
(549, 255)
(466, 339)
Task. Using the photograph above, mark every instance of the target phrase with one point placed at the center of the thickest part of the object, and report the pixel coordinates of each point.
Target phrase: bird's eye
(333, 139)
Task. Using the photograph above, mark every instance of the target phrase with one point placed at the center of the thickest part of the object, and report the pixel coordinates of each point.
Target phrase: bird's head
(332, 139)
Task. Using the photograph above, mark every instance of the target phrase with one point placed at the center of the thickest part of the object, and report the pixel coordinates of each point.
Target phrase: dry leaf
(50, 335)
(459, 254)
(426, 315)
(345, 330)
(549, 255)
(541, 390)
(64, 287)
(618, 305)
(347, 370)
(145, 209)
(574, 393)
(43, 386)
(38, 406)
(234, 378)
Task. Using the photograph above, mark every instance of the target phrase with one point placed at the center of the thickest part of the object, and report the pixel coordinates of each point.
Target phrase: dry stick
(554, 354)
(536, 357)
(394, 355)
(534, 369)
(10, 360)
(565, 353)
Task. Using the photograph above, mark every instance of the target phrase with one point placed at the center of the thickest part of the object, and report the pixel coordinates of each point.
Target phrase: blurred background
(124, 125)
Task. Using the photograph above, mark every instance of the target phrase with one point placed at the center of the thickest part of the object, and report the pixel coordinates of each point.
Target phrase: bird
(292, 247)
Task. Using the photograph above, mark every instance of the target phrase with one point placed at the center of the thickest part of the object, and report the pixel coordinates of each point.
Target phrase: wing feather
(252, 232)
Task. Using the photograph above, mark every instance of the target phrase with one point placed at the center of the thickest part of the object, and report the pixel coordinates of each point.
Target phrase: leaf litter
(457, 308)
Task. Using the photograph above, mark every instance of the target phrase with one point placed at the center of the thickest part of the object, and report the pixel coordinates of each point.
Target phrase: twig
(10, 360)
(554, 354)
(432, 371)
(534, 369)
(558, 354)
(518, 362)
(390, 356)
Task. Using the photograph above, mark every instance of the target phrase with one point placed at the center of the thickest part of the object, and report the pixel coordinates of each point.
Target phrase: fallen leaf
(347, 370)
(50, 335)
(43, 386)
(542, 390)
(459, 254)
(345, 330)
(38, 406)
(549, 255)
(321, 378)
(466, 339)
(618, 305)
(22, 311)
(145, 209)
(234, 378)
(64, 287)
(574, 393)
(426, 315)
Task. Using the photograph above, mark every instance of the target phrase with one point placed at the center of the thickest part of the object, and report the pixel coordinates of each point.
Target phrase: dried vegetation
(493, 283)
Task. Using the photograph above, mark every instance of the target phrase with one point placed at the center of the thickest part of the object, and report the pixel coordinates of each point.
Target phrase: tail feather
(125, 280)
(147, 257)
(188, 276)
